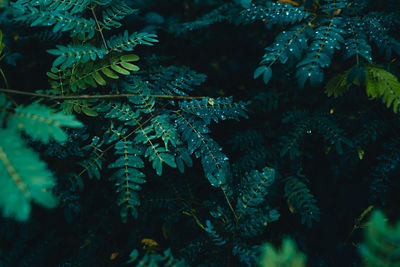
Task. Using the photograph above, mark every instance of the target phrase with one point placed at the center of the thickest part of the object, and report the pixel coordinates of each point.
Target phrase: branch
(72, 97)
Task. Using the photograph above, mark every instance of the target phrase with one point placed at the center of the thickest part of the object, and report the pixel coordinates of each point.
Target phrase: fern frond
(166, 259)
(42, 123)
(114, 13)
(128, 178)
(331, 131)
(214, 162)
(381, 83)
(126, 42)
(119, 111)
(337, 85)
(60, 21)
(157, 155)
(69, 55)
(246, 254)
(288, 255)
(379, 34)
(91, 74)
(174, 80)
(388, 162)
(93, 162)
(144, 102)
(287, 46)
(245, 140)
(221, 13)
(23, 178)
(327, 38)
(255, 187)
(330, 6)
(275, 13)
(381, 244)
(299, 196)
(356, 43)
(214, 108)
(74, 6)
(217, 239)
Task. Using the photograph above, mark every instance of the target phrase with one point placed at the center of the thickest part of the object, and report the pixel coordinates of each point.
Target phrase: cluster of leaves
(144, 161)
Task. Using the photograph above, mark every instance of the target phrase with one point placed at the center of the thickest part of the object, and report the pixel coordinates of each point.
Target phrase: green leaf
(130, 57)
(381, 83)
(129, 66)
(119, 69)
(288, 255)
(89, 112)
(98, 78)
(109, 73)
(267, 75)
(23, 178)
(168, 159)
(259, 71)
(42, 123)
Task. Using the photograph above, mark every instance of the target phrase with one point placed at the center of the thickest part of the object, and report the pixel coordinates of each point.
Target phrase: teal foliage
(28, 13)
(42, 123)
(127, 42)
(24, 178)
(341, 31)
(155, 143)
(164, 259)
(216, 238)
(302, 200)
(306, 123)
(275, 13)
(319, 54)
(128, 177)
(388, 163)
(69, 55)
(380, 247)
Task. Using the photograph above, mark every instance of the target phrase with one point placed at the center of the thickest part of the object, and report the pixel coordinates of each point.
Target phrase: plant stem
(76, 97)
(98, 26)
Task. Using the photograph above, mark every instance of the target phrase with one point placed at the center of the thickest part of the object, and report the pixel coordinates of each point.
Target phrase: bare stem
(100, 31)
(76, 97)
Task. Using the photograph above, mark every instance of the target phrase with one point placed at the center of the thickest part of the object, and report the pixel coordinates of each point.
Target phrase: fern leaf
(287, 45)
(119, 111)
(128, 178)
(288, 255)
(217, 239)
(255, 186)
(69, 55)
(126, 42)
(337, 85)
(72, 7)
(327, 38)
(165, 259)
(381, 244)
(275, 13)
(115, 13)
(330, 6)
(381, 83)
(356, 43)
(91, 74)
(214, 109)
(194, 133)
(299, 196)
(175, 80)
(61, 21)
(23, 178)
(42, 123)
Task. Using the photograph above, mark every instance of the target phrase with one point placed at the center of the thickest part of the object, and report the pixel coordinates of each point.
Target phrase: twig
(98, 26)
(72, 97)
